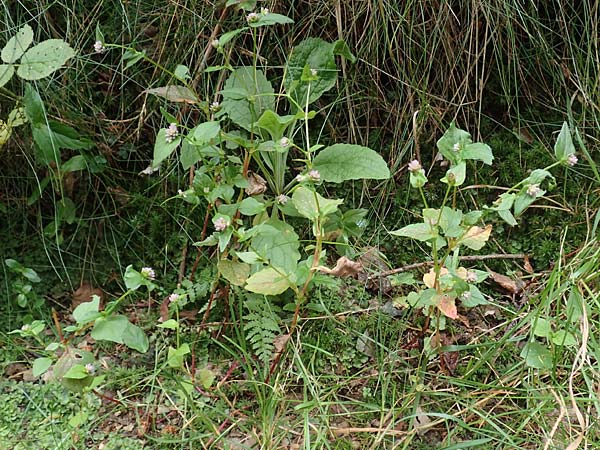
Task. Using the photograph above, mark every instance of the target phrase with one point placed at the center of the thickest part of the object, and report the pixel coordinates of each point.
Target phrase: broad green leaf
(31, 275)
(227, 37)
(135, 338)
(17, 45)
(542, 327)
(317, 54)
(268, 282)
(473, 297)
(455, 176)
(174, 93)
(270, 19)
(234, 271)
(44, 59)
(452, 142)
(476, 237)
(205, 132)
(132, 57)
(52, 136)
(34, 107)
(40, 366)
(87, 311)
(250, 257)
(342, 162)
(311, 204)
(575, 305)
(563, 146)
(419, 231)
(182, 72)
(450, 221)
(479, 152)
(523, 200)
(175, 356)
(110, 328)
(507, 216)
(277, 242)
(340, 48)
(251, 207)
(76, 372)
(162, 148)
(206, 377)
(6, 73)
(247, 95)
(77, 162)
(274, 123)
(536, 356)
(170, 324)
(14, 265)
(16, 117)
(563, 337)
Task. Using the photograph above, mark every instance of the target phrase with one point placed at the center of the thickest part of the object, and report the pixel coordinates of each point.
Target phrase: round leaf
(342, 162)
(45, 58)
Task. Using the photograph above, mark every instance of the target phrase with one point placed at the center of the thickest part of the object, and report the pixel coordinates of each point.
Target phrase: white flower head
(533, 190)
(221, 224)
(252, 17)
(215, 43)
(314, 72)
(572, 159)
(215, 106)
(174, 298)
(414, 166)
(465, 296)
(99, 47)
(26, 327)
(314, 176)
(300, 178)
(90, 369)
(471, 276)
(149, 170)
(456, 147)
(171, 133)
(264, 11)
(282, 199)
(148, 272)
(284, 142)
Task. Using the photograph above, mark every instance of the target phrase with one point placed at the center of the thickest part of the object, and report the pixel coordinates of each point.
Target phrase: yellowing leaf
(429, 277)
(234, 271)
(173, 93)
(476, 237)
(268, 282)
(446, 304)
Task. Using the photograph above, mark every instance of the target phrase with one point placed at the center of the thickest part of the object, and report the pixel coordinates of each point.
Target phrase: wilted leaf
(511, 285)
(258, 184)
(429, 277)
(476, 237)
(447, 305)
(268, 282)
(234, 271)
(173, 93)
(344, 267)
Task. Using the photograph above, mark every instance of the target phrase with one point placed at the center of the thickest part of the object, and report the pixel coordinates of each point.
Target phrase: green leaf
(227, 37)
(446, 144)
(234, 271)
(182, 72)
(277, 242)
(162, 148)
(250, 257)
(268, 282)
(206, 377)
(17, 45)
(110, 328)
(76, 372)
(135, 338)
(341, 48)
(419, 231)
(77, 162)
(271, 19)
(132, 57)
(342, 162)
(40, 366)
(536, 356)
(44, 59)
(247, 95)
(479, 152)
(6, 73)
(475, 298)
(317, 54)
(507, 217)
(311, 204)
(450, 221)
(87, 311)
(175, 357)
(251, 207)
(205, 132)
(51, 136)
(563, 337)
(34, 107)
(523, 200)
(274, 123)
(170, 324)
(542, 328)
(455, 176)
(564, 144)
(31, 275)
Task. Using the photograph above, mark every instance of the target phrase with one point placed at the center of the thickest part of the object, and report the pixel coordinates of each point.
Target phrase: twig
(387, 273)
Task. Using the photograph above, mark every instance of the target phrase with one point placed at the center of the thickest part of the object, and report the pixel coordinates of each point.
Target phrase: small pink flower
(471, 277)
(174, 298)
(414, 166)
(314, 176)
(171, 133)
(90, 369)
(252, 17)
(282, 199)
(148, 272)
(221, 224)
(284, 142)
(533, 190)
(572, 159)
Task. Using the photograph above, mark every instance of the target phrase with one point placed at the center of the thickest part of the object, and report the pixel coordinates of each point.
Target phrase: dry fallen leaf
(527, 265)
(514, 286)
(258, 185)
(173, 93)
(344, 267)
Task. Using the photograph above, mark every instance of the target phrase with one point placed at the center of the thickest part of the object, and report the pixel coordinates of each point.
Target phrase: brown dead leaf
(447, 305)
(279, 343)
(527, 265)
(258, 184)
(449, 360)
(15, 371)
(344, 267)
(513, 286)
(84, 294)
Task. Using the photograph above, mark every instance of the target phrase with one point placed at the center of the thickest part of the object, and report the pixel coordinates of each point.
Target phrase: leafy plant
(241, 155)
(447, 230)
(23, 287)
